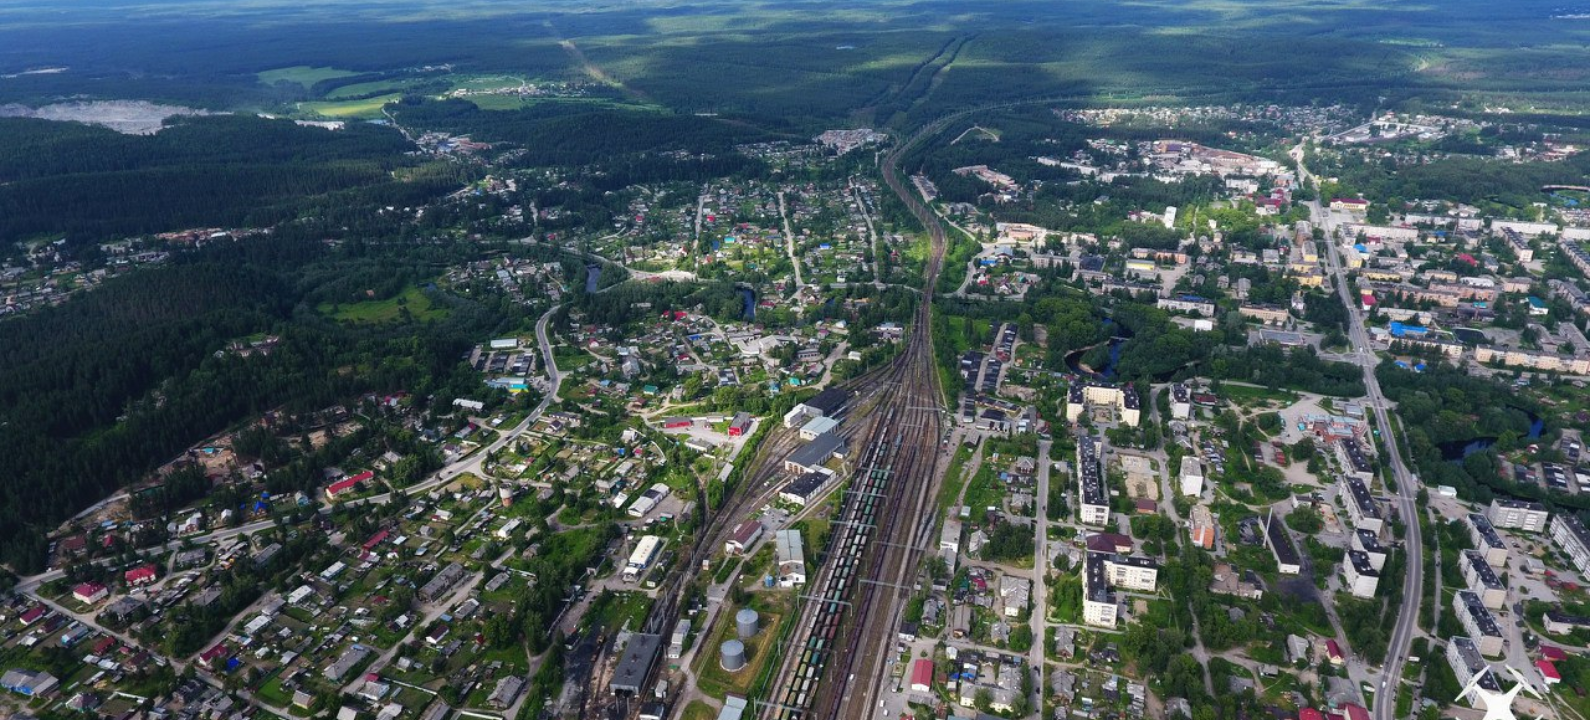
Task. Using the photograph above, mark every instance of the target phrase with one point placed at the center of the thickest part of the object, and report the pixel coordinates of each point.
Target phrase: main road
(1407, 484)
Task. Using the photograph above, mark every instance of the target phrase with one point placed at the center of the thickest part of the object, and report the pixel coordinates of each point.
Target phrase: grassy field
(415, 300)
(357, 89)
(302, 74)
(698, 710)
(364, 109)
(712, 678)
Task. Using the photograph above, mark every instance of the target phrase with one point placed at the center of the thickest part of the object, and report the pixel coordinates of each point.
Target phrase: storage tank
(746, 623)
(732, 655)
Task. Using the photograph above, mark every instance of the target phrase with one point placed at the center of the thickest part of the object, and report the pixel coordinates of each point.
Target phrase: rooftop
(1482, 569)
(1487, 532)
(1361, 564)
(635, 664)
(1281, 541)
(1361, 498)
(1483, 619)
(1092, 474)
(817, 451)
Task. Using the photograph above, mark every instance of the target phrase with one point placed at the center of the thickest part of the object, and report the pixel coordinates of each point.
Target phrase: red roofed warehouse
(343, 487)
(922, 675)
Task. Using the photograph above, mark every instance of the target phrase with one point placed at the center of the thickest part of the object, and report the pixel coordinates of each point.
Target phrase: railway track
(880, 537)
(846, 632)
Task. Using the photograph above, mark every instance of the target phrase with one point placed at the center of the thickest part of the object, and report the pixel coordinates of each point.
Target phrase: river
(1456, 450)
(749, 297)
(1119, 336)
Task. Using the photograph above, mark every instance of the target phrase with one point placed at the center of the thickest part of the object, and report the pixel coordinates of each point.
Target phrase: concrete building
(1359, 575)
(642, 557)
(1280, 541)
(1191, 304)
(1482, 580)
(1509, 514)
(676, 643)
(1369, 544)
(1267, 314)
(1094, 508)
(817, 426)
(807, 487)
(1361, 507)
(1478, 622)
(1139, 574)
(1102, 573)
(1513, 357)
(634, 665)
(743, 537)
(1464, 657)
(1180, 402)
(1191, 477)
(1484, 537)
(1099, 607)
(1573, 540)
(1122, 398)
(790, 553)
(811, 456)
(442, 583)
(1355, 463)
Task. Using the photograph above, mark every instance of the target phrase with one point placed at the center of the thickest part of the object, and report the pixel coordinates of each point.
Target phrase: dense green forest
(99, 390)
(627, 142)
(64, 178)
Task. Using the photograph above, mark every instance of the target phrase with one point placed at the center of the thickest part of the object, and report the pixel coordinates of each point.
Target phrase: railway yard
(864, 436)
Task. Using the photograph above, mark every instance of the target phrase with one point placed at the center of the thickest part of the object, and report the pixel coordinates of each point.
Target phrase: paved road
(1407, 485)
(789, 242)
(1040, 567)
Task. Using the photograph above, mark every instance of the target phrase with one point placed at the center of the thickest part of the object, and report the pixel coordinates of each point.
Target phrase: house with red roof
(922, 675)
(376, 539)
(1355, 712)
(141, 575)
(1548, 671)
(348, 485)
(1367, 301)
(1553, 653)
(32, 615)
(1334, 652)
(210, 657)
(1310, 714)
(90, 592)
(74, 544)
(104, 645)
